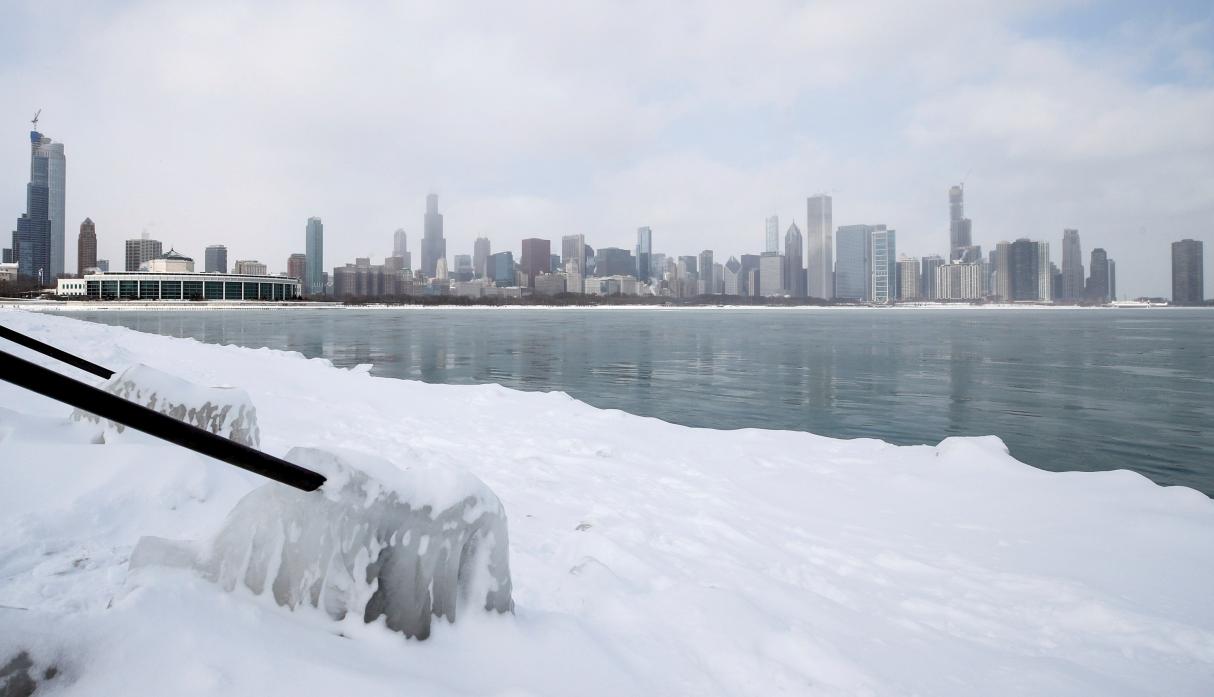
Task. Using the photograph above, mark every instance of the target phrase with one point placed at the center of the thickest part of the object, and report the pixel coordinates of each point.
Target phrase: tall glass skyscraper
(434, 245)
(819, 270)
(885, 266)
(853, 269)
(960, 230)
(314, 250)
(43, 148)
(1072, 266)
(772, 245)
(644, 252)
(794, 273)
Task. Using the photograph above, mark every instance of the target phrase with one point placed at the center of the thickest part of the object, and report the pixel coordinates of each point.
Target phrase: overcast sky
(226, 122)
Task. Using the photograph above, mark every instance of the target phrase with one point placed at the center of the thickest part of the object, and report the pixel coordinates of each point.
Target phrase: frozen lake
(1065, 389)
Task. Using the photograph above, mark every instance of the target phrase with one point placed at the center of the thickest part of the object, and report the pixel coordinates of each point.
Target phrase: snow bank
(646, 558)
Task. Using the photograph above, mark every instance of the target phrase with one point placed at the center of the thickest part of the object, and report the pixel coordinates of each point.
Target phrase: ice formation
(364, 543)
(226, 411)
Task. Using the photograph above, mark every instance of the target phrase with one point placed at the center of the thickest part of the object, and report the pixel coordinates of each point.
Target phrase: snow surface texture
(225, 411)
(370, 545)
(647, 558)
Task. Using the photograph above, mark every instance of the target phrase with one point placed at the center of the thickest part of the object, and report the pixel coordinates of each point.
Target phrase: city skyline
(872, 115)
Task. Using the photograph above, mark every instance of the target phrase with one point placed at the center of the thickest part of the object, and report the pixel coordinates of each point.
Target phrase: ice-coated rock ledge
(646, 558)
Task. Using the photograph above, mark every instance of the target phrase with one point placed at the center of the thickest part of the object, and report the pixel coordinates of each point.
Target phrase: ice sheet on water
(226, 411)
(362, 544)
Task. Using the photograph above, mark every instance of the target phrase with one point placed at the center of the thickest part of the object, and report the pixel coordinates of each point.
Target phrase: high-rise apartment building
(1023, 272)
(644, 253)
(535, 259)
(885, 266)
(481, 249)
(819, 269)
(434, 245)
(772, 242)
(32, 238)
(141, 251)
(959, 281)
(86, 247)
(297, 265)
(314, 249)
(794, 272)
(960, 229)
(1188, 273)
(927, 276)
(1072, 266)
(1097, 289)
(909, 282)
(215, 260)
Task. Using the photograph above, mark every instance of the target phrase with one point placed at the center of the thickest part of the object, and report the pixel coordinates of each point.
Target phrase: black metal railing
(49, 383)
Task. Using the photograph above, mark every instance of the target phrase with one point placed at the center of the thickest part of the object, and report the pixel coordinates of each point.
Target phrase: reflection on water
(1065, 390)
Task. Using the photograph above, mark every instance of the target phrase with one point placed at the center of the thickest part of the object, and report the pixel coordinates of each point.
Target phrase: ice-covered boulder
(226, 411)
(375, 540)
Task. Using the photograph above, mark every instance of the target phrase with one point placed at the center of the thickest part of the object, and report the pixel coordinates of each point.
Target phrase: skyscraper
(705, 269)
(644, 252)
(1024, 271)
(927, 277)
(773, 235)
(32, 239)
(400, 243)
(535, 258)
(215, 260)
(297, 265)
(771, 275)
(794, 272)
(481, 249)
(1097, 290)
(56, 180)
(434, 245)
(141, 250)
(573, 250)
(314, 249)
(1188, 273)
(1072, 266)
(819, 269)
(885, 266)
(960, 233)
(909, 282)
(853, 267)
(86, 247)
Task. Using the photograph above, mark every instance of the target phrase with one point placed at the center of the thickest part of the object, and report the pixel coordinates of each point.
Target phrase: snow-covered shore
(647, 558)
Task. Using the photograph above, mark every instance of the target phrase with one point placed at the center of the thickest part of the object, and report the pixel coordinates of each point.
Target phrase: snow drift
(646, 558)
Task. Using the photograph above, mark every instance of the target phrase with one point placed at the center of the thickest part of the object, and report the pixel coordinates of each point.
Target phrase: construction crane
(35, 119)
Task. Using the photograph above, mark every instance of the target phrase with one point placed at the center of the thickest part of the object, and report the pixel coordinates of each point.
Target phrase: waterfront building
(1097, 290)
(853, 265)
(434, 245)
(86, 247)
(1023, 273)
(909, 282)
(819, 227)
(771, 275)
(960, 229)
(215, 260)
(314, 249)
(297, 265)
(171, 261)
(250, 267)
(1072, 266)
(481, 249)
(1188, 273)
(147, 285)
(794, 272)
(501, 269)
(644, 253)
(140, 251)
(535, 260)
(772, 242)
(884, 265)
(959, 281)
(705, 273)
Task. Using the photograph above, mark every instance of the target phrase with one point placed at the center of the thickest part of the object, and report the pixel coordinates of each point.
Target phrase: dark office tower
(794, 272)
(1098, 277)
(434, 246)
(481, 249)
(554, 263)
(215, 260)
(140, 251)
(819, 244)
(960, 232)
(6, 254)
(704, 265)
(1027, 270)
(1072, 266)
(314, 249)
(32, 239)
(644, 252)
(927, 277)
(500, 268)
(689, 263)
(1188, 273)
(750, 267)
(535, 259)
(853, 264)
(86, 247)
(51, 156)
(613, 261)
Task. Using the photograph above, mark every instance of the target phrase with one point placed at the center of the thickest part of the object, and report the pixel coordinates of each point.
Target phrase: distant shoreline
(137, 306)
